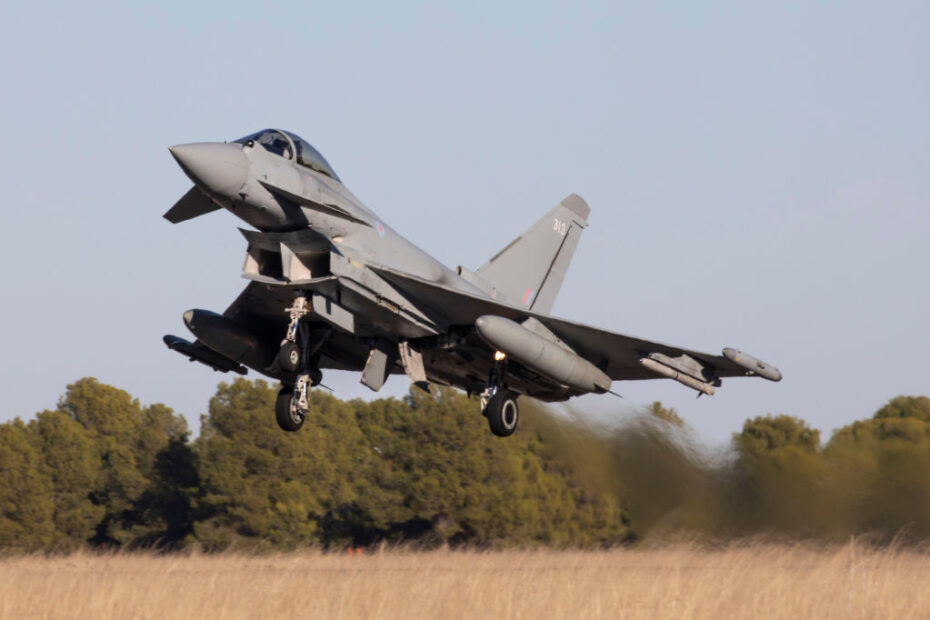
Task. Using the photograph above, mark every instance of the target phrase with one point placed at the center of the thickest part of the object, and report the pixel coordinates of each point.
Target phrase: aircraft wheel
(285, 411)
(289, 357)
(503, 413)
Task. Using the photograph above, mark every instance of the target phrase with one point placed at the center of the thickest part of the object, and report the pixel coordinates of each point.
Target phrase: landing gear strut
(289, 355)
(297, 357)
(498, 404)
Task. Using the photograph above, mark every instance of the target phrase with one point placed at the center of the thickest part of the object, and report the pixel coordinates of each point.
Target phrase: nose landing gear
(289, 357)
(297, 357)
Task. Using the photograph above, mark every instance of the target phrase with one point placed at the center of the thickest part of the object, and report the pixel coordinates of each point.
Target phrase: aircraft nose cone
(216, 167)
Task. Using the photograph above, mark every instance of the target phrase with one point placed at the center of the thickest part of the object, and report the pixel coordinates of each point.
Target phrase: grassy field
(680, 582)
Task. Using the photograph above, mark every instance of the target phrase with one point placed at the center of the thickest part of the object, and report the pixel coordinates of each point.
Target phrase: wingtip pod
(752, 364)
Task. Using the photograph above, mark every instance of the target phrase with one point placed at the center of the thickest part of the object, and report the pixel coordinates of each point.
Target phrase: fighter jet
(333, 286)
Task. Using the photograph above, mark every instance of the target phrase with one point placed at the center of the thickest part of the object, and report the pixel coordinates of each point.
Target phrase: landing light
(499, 356)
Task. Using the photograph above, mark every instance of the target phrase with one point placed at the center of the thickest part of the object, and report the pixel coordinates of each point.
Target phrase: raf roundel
(380, 228)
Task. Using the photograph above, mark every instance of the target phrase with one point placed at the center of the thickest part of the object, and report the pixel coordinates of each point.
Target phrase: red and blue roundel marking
(379, 228)
(527, 297)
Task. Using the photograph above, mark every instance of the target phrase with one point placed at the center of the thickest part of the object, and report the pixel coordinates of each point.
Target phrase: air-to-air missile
(683, 369)
(555, 361)
(203, 355)
(690, 372)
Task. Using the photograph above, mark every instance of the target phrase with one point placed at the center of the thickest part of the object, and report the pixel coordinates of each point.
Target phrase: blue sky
(758, 177)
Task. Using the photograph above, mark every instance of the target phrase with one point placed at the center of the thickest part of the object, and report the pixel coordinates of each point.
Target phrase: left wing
(262, 305)
(260, 308)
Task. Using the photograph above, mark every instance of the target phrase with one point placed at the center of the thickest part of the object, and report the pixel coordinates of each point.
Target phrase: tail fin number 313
(559, 226)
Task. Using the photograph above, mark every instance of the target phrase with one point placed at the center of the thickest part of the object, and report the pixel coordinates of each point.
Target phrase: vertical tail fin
(529, 271)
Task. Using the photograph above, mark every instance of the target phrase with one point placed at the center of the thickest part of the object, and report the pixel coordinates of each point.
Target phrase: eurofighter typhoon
(334, 286)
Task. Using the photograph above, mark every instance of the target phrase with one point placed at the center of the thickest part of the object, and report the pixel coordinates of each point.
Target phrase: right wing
(618, 355)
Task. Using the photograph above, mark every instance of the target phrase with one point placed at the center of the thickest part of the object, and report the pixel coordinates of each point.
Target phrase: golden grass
(748, 581)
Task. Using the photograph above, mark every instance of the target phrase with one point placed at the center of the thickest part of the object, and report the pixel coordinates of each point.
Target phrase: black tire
(289, 357)
(288, 419)
(503, 413)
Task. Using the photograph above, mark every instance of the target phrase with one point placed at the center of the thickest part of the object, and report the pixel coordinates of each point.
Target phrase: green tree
(130, 442)
(72, 461)
(423, 469)
(912, 407)
(26, 503)
(457, 483)
(881, 467)
(666, 414)
(264, 487)
(780, 478)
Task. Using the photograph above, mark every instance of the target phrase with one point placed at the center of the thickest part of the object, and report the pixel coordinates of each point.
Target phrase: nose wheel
(289, 356)
(297, 358)
(287, 412)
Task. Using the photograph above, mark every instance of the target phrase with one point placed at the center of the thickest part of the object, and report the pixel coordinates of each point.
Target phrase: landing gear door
(333, 313)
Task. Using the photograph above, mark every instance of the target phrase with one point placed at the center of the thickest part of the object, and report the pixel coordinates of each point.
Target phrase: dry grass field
(741, 581)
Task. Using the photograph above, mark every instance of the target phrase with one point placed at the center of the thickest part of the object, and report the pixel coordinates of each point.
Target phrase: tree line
(103, 471)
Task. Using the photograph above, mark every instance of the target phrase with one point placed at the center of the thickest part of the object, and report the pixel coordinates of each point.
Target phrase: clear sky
(758, 175)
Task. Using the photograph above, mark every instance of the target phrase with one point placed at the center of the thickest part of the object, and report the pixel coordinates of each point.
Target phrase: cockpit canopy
(285, 144)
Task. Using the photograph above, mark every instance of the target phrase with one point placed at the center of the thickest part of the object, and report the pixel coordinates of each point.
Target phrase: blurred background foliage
(103, 471)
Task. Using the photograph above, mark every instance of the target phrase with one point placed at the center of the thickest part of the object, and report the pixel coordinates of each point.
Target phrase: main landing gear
(499, 405)
(298, 358)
